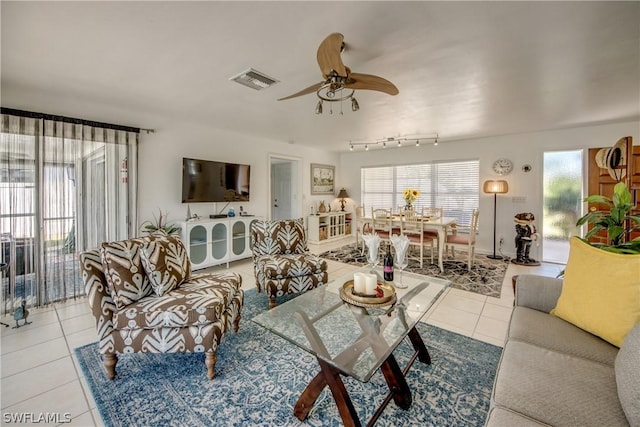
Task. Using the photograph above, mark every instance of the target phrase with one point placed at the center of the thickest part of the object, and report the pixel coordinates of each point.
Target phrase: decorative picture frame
(323, 179)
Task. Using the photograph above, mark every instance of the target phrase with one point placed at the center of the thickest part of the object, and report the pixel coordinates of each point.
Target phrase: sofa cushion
(627, 368)
(123, 271)
(283, 266)
(556, 388)
(604, 298)
(166, 263)
(553, 333)
(200, 300)
(278, 237)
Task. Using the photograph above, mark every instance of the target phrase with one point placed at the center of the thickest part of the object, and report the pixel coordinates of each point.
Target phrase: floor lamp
(495, 188)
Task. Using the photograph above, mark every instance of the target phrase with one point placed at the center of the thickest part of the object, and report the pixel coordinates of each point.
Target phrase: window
(562, 197)
(452, 186)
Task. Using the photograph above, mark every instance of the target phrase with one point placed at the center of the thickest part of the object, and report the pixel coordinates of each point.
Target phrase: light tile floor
(39, 373)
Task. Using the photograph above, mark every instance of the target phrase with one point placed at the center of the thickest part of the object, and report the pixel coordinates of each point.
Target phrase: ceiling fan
(339, 82)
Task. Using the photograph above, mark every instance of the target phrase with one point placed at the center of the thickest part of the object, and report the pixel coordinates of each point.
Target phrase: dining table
(438, 224)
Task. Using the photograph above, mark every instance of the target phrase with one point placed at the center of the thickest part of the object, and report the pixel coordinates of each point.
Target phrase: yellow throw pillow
(600, 292)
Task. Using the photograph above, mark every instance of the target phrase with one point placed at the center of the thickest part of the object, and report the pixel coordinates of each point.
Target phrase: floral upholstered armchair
(145, 299)
(281, 261)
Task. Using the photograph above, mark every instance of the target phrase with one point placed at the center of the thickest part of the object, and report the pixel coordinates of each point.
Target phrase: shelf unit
(217, 241)
(329, 226)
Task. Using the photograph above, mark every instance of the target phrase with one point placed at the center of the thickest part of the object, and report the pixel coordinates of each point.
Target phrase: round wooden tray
(348, 295)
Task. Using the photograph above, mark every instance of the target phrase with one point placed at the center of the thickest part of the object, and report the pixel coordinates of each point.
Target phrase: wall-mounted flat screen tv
(209, 181)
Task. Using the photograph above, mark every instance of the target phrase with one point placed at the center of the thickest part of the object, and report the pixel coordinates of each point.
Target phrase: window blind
(452, 186)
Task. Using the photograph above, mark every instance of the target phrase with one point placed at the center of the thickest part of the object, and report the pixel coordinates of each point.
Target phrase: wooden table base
(394, 376)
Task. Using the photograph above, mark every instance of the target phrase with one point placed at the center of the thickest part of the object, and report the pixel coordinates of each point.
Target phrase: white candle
(371, 283)
(359, 283)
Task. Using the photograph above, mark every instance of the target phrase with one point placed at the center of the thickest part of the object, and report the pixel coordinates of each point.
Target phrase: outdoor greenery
(562, 204)
(617, 221)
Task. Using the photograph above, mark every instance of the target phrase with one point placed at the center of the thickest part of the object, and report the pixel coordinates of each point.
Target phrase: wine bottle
(388, 266)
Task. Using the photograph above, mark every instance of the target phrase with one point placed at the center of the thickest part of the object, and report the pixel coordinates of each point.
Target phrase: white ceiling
(464, 69)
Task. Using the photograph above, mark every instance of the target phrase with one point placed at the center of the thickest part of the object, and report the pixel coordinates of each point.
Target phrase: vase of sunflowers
(410, 195)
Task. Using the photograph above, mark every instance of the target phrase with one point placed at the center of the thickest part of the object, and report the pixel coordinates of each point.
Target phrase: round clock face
(502, 166)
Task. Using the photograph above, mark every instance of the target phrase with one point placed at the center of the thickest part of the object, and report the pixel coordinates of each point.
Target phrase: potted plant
(617, 221)
(159, 223)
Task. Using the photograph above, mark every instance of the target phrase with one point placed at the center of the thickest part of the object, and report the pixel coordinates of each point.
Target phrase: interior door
(600, 182)
(281, 190)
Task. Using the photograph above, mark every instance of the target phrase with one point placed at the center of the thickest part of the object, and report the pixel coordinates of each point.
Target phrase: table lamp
(342, 195)
(495, 188)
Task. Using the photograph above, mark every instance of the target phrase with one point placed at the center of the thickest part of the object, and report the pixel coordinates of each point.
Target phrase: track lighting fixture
(398, 140)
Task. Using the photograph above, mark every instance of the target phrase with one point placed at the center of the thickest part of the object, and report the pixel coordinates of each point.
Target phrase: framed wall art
(322, 179)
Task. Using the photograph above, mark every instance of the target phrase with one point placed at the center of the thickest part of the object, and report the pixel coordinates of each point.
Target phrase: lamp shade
(495, 187)
(343, 194)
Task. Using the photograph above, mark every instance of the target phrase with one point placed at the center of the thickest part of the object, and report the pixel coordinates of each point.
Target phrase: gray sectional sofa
(553, 373)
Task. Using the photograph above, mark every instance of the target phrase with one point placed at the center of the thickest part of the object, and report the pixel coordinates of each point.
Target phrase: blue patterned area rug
(485, 277)
(260, 376)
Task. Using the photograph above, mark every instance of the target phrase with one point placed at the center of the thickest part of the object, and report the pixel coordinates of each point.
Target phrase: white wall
(521, 149)
(160, 168)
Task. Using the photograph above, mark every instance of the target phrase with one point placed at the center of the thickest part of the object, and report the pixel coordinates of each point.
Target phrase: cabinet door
(198, 244)
(219, 241)
(239, 238)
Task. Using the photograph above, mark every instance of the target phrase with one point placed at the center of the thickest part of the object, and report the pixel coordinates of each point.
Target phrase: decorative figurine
(525, 235)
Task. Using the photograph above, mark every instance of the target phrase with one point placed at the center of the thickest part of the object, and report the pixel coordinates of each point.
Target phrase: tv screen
(208, 181)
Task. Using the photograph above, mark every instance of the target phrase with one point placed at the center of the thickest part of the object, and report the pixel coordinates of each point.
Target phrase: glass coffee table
(355, 341)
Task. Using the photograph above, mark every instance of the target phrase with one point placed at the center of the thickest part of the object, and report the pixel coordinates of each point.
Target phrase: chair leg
(272, 302)
(110, 361)
(210, 361)
(432, 249)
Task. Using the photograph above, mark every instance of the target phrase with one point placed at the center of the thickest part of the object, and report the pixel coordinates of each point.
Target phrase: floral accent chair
(145, 299)
(281, 260)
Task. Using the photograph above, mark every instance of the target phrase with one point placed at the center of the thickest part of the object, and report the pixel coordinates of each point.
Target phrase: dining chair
(464, 237)
(431, 213)
(382, 223)
(412, 226)
(362, 226)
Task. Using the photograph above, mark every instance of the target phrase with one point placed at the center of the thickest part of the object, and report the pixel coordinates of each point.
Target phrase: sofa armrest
(537, 292)
(100, 301)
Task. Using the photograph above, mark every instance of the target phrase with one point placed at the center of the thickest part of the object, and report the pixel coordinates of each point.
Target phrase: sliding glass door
(64, 188)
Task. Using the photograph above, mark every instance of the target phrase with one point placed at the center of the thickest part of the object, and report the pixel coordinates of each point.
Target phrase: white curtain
(65, 186)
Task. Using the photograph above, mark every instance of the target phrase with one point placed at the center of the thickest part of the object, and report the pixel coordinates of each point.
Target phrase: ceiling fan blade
(370, 82)
(329, 55)
(310, 89)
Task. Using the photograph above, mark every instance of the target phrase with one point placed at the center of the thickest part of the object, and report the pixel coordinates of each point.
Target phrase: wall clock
(502, 166)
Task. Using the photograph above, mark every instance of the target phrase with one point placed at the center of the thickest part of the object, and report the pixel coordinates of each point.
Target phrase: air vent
(254, 79)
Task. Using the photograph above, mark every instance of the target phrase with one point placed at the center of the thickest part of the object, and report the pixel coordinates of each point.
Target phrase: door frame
(296, 183)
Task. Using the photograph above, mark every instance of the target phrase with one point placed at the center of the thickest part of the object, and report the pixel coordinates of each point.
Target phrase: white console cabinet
(212, 242)
(328, 226)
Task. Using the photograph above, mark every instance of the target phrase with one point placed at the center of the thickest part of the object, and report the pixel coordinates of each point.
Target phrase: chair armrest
(537, 292)
(100, 301)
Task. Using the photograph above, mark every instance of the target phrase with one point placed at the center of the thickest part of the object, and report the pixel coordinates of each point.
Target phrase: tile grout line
(75, 369)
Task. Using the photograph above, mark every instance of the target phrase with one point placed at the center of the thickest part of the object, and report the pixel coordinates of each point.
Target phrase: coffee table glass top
(355, 340)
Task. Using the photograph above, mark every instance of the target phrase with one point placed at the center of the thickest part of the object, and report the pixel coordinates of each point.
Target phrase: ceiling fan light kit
(339, 82)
